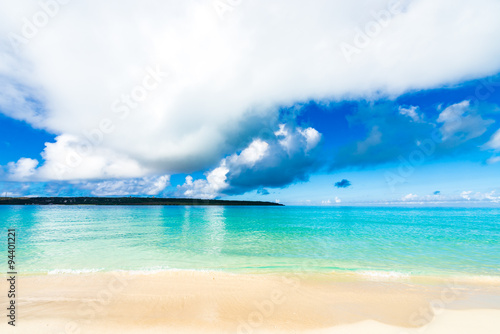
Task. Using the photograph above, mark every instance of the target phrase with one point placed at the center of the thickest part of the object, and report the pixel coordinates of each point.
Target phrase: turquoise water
(425, 241)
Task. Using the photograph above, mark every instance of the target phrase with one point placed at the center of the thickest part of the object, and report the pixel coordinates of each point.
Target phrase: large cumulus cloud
(136, 89)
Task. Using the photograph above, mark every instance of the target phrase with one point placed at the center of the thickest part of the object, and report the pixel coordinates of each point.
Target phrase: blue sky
(196, 104)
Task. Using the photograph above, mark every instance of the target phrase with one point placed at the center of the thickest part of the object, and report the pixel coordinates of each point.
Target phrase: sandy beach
(206, 302)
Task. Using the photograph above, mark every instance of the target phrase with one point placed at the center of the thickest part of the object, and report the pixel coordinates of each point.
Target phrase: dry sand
(215, 302)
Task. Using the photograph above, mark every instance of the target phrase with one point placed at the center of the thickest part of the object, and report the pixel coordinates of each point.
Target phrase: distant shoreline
(126, 201)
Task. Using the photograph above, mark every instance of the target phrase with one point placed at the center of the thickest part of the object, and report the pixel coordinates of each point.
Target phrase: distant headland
(125, 201)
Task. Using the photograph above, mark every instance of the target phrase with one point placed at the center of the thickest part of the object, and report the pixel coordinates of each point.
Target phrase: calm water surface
(422, 241)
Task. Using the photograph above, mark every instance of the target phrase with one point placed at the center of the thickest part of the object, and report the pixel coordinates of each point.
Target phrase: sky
(304, 103)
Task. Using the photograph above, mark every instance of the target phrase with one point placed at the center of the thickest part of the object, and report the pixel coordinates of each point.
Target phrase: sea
(365, 241)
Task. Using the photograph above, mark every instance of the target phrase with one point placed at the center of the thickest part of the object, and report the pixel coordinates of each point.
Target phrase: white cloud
(494, 142)
(480, 196)
(23, 169)
(409, 197)
(210, 188)
(285, 139)
(289, 140)
(493, 160)
(491, 196)
(142, 186)
(71, 76)
(312, 137)
(9, 194)
(216, 180)
(252, 154)
(329, 202)
(466, 195)
(460, 125)
(411, 112)
(69, 159)
(259, 165)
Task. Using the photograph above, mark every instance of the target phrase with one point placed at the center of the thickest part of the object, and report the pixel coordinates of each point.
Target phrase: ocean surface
(372, 241)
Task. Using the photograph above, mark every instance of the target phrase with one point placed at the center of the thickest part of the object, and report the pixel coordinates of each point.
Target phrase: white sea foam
(152, 271)
(366, 274)
(142, 271)
(145, 271)
(383, 274)
(73, 271)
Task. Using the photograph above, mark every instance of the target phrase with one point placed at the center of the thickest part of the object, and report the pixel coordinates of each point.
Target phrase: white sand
(449, 322)
(214, 302)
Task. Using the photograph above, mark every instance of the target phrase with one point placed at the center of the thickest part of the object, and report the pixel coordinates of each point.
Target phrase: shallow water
(390, 242)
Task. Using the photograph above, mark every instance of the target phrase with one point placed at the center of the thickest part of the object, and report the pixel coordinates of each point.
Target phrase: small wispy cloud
(409, 197)
(330, 202)
(462, 197)
(411, 112)
(343, 184)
